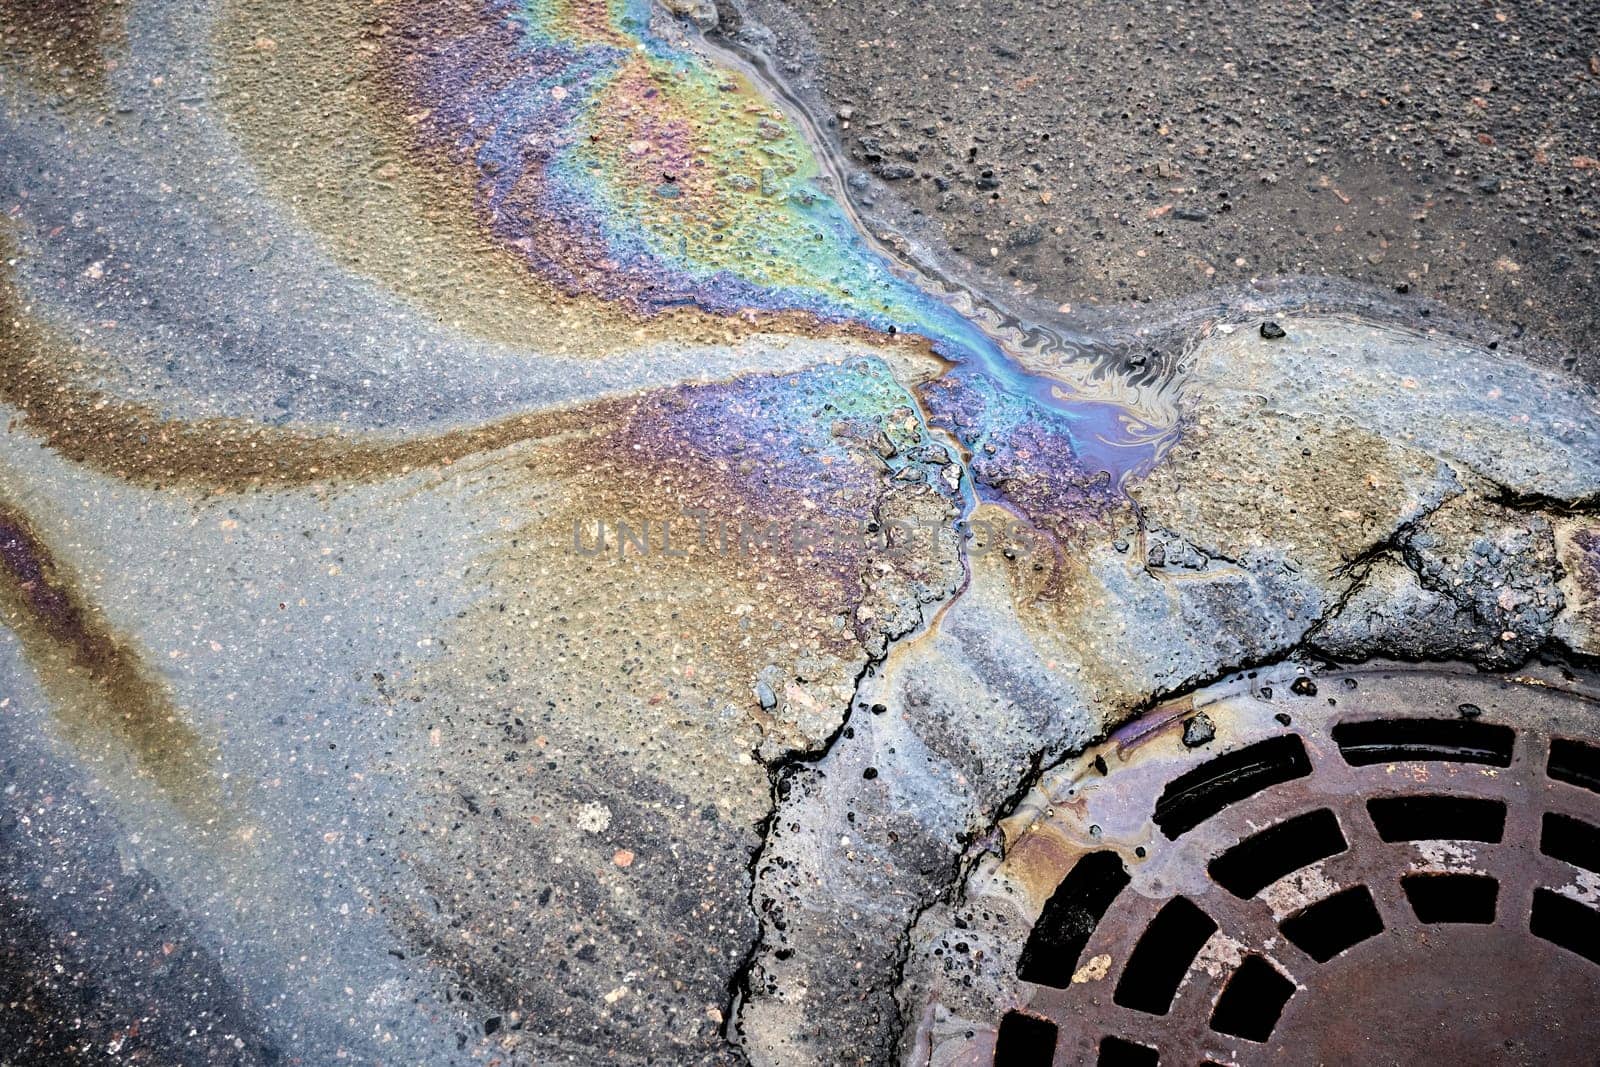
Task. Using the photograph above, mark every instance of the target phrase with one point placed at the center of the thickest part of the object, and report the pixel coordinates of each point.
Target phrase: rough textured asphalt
(1122, 153)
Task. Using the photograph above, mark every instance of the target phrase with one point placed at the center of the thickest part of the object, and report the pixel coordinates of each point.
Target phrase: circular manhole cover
(1370, 866)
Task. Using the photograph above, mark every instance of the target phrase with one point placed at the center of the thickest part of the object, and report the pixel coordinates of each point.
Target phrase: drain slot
(1253, 1001)
(1163, 956)
(1571, 841)
(1025, 1041)
(1575, 763)
(1400, 740)
(1427, 817)
(1115, 1052)
(1333, 924)
(1256, 862)
(1069, 918)
(1192, 798)
(1563, 921)
(1451, 898)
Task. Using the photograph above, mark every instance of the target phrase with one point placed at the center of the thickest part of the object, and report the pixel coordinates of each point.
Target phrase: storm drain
(1366, 867)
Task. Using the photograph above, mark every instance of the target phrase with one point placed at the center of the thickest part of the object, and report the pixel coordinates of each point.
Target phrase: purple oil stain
(1054, 469)
(27, 565)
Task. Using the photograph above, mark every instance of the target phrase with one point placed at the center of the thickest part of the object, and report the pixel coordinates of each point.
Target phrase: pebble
(1023, 238)
(1198, 731)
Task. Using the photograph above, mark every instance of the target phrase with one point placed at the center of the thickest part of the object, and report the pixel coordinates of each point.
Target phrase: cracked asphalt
(1330, 501)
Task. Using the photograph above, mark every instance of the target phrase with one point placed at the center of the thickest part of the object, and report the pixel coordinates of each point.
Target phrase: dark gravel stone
(1023, 238)
(1198, 731)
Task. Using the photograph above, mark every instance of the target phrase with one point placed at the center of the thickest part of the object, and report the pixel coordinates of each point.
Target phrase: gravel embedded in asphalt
(1113, 153)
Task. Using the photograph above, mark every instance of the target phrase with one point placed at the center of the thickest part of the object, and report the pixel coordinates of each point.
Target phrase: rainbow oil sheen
(621, 165)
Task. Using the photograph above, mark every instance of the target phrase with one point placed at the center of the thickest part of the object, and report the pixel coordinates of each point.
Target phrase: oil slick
(620, 165)
(108, 703)
(636, 183)
(624, 166)
(554, 180)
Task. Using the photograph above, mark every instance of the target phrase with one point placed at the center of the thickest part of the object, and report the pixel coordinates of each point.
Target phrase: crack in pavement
(1014, 681)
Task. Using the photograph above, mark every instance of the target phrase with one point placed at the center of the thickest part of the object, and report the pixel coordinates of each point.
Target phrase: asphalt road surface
(1111, 153)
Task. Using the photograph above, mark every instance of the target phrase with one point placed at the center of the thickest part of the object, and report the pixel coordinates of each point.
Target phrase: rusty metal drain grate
(1366, 867)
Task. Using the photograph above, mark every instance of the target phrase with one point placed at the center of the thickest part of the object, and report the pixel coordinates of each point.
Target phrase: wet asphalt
(1113, 154)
